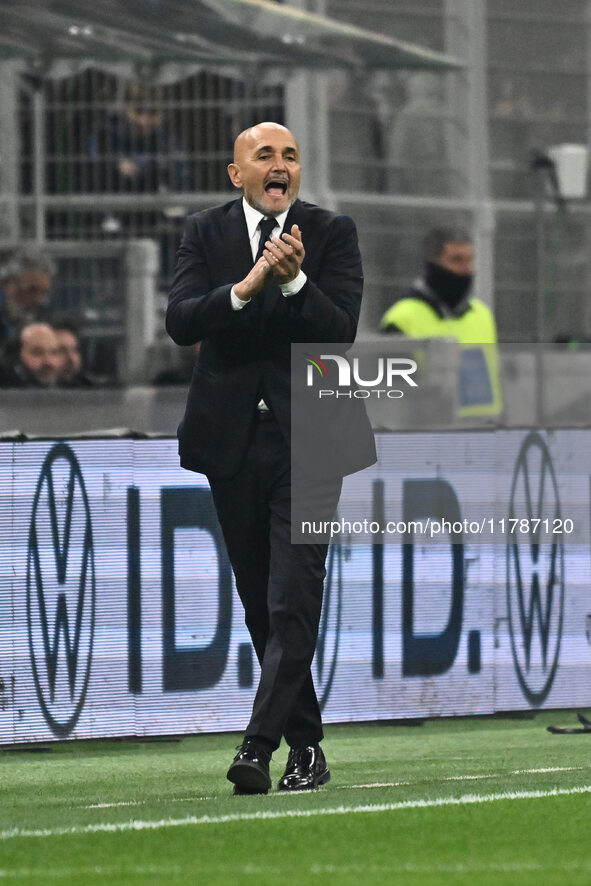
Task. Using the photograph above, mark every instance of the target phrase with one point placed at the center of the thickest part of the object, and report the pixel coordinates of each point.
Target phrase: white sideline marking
(68, 873)
(470, 777)
(347, 787)
(397, 784)
(500, 867)
(144, 802)
(117, 827)
(318, 869)
(376, 784)
(513, 772)
(112, 805)
(550, 769)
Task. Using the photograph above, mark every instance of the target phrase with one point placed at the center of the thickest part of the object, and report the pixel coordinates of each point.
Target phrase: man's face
(267, 168)
(457, 258)
(29, 290)
(69, 350)
(40, 353)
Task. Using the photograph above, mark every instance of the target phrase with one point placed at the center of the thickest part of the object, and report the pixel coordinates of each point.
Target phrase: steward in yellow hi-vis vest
(438, 306)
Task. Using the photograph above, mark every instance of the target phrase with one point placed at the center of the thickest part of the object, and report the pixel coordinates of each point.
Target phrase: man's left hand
(285, 255)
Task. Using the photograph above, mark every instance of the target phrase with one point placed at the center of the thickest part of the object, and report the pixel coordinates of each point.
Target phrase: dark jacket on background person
(161, 163)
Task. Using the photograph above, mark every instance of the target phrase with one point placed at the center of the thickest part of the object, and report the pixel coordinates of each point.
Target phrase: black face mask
(451, 288)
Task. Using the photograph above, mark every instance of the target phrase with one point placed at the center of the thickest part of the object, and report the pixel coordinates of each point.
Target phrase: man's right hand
(254, 281)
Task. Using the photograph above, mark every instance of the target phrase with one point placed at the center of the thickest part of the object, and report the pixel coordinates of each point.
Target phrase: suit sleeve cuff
(295, 285)
(237, 303)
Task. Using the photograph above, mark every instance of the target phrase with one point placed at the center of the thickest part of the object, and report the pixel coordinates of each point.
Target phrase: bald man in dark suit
(247, 287)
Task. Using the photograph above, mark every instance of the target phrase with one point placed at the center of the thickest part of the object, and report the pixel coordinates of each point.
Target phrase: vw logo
(61, 590)
(535, 571)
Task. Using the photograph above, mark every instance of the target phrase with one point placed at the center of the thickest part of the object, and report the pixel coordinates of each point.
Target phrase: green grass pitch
(468, 801)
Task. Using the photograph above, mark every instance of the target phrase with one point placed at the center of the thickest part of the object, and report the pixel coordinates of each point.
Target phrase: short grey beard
(266, 212)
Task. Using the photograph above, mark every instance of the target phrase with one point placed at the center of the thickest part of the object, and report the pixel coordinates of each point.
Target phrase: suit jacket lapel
(236, 242)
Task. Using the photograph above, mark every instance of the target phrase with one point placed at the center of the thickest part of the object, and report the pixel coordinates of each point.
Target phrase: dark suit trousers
(280, 584)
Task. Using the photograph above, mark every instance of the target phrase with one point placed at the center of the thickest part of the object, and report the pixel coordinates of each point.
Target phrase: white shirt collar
(253, 217)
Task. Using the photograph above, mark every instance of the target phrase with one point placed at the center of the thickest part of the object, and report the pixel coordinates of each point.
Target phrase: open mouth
(276, 188)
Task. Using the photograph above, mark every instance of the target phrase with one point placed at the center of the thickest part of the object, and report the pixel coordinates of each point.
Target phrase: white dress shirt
(253, 218)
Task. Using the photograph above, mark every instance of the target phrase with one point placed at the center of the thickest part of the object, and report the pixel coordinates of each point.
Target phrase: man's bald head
(39, 353)
(267, 167)
(250, 136)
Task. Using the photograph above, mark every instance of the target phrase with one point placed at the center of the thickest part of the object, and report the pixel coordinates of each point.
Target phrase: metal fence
(104, 158)
(410, 151)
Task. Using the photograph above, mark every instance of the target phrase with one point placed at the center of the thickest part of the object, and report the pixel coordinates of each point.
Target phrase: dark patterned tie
(266, 225)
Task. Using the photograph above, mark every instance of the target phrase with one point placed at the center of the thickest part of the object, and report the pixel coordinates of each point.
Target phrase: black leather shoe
(306, 770)
(250, 768)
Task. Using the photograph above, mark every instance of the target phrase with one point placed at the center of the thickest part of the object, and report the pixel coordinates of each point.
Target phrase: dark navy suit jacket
(246, 354)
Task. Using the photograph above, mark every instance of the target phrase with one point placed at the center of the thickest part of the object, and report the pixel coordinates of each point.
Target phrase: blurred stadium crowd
(111, 158)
